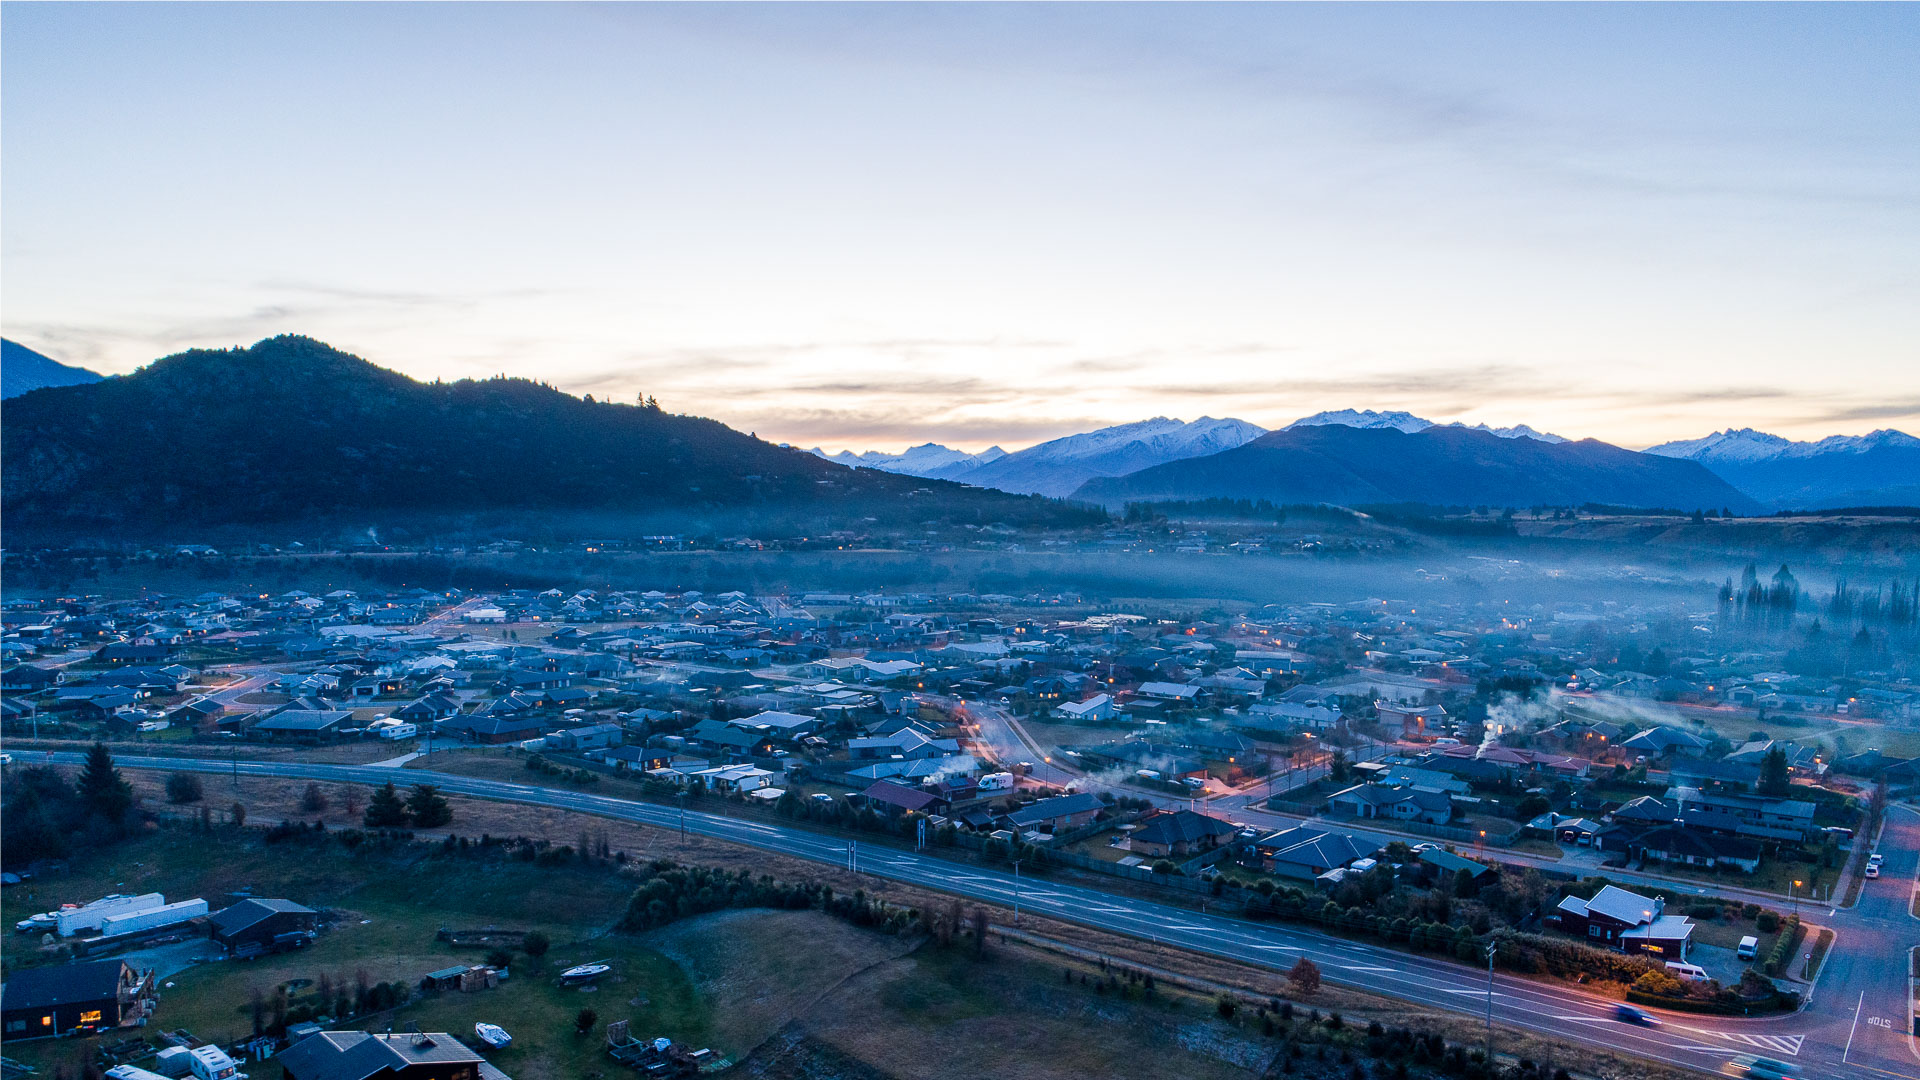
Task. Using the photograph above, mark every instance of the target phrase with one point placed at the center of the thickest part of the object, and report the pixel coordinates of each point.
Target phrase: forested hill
(294, 430)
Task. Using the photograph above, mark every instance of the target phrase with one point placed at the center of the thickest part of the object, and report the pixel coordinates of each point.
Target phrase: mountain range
(22, 370)
(1335, 463)
(1409, 423)
(1881, 468)
(928, 459)
(292, 430)
(1058, 467)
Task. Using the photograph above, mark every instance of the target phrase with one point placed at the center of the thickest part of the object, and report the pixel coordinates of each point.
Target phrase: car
(1689, 972)
(1749, 948)
(1873, 870)
(821, 797)
(1838, 832)
(1627, 1014)
(1760, 1068)
(1875, 859)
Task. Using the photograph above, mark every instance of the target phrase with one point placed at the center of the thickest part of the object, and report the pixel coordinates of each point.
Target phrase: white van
(1749, 948)
(1689, 972)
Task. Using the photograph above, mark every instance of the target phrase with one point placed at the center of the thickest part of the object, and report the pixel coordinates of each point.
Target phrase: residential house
(894, 800)
(1396, 803)
(1179, 832)
(1057, 813)
(1743, 815)
(359, 1055)
(1305, 853)
(56, 999)
(302, 725)
(587, 737)
(1626, 921)
(1096, 708)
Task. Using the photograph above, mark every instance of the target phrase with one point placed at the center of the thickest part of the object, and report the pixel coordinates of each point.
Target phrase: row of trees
(424, 808)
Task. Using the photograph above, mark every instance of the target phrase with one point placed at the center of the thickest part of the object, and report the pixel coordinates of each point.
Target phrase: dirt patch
(792, 1054)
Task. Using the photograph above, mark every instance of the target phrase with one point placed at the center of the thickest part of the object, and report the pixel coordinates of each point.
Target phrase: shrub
(1660, 984)
(183, 788)
(1766, 922)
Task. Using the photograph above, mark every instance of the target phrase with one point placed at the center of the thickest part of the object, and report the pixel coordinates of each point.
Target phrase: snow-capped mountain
(1746, 444)
(928, 459)
(1060, 466)
(1357, 418)
(1881, 468)
(1409, 423)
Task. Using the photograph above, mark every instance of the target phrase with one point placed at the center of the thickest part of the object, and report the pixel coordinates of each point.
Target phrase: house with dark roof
(893, 800)
(493, 729)
(1059, 812)
(259, 921)
(1181, 832)
(302, 725)
(359, 1055)
(1697, 847)
(1305, 853)
(41, 1002)
(1395, 803)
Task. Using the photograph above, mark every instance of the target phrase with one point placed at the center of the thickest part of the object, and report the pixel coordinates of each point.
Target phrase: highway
(1815, 1041)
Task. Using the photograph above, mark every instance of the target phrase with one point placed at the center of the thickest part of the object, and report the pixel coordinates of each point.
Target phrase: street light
(1795, 899)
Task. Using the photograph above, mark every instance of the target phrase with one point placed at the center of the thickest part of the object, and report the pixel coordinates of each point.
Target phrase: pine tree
(386, 811)
(102, 789)
(427, 808)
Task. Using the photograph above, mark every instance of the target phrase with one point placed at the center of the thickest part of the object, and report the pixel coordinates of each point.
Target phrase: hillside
(293, 430)
(1878, 469)
(22, 370)
(1436, 465)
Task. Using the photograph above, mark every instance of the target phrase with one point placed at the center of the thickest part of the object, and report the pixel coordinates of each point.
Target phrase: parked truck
(154, 918)
(71, 921)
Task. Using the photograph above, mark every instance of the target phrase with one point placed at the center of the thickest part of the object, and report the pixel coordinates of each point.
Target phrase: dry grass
(272, 799)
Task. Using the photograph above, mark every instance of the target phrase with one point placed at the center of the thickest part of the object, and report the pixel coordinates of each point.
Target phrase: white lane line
(1356, 967)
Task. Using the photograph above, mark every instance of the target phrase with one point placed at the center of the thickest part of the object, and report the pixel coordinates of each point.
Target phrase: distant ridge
(1444, 465)
(294, 430)
(23, 370)
(928, 459)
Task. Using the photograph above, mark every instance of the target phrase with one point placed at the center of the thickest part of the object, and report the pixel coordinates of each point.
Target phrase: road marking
(1779, 1044)
(1356, 967)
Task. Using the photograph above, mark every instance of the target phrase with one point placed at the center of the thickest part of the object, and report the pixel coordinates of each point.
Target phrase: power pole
(1491, 949)
(1016, 892)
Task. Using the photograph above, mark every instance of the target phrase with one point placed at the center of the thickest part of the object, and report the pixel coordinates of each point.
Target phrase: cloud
(1889, 410)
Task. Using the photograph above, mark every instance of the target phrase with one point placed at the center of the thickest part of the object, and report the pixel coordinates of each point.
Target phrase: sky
(872, 226)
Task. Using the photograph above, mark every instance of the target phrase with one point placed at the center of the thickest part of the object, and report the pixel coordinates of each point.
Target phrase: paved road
(1814, 1041)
